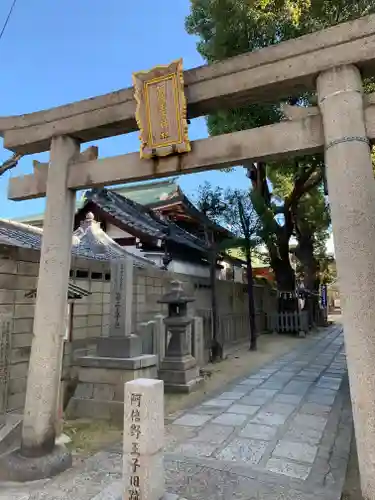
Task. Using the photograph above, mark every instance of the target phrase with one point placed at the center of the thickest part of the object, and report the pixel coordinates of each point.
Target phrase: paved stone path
(282, 433)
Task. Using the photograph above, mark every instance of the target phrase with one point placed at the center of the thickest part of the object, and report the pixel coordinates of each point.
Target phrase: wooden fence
(288, 322)
(231, 328)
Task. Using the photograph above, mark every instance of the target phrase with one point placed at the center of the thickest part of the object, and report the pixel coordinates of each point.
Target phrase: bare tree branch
(12, 162)
(314, 181)
(299, 186)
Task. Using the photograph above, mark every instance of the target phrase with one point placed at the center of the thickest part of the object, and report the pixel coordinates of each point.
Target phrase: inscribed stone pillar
(121, 342)
(351, 188)
(38, 434)
(121, 297)
(143, 470)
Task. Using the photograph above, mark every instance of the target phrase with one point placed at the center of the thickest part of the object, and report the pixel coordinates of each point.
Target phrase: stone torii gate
(331, 62)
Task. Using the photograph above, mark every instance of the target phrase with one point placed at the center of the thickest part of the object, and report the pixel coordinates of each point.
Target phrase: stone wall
(91, 314)
(18, 275)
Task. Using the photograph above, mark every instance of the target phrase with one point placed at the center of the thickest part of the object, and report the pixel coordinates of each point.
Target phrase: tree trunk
(305, 254)
(250, 296)
(312, 306)
(213, 294)
(286, 287)
(216, 351)
(311, 282)
(278, 237)
(285, 279)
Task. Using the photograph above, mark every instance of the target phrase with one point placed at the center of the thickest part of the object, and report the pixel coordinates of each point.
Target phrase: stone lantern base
(180, 375)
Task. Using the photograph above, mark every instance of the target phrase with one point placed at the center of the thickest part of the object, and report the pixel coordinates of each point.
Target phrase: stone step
(10, 433)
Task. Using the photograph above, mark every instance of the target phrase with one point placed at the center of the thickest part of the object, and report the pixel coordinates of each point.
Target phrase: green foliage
(210, 201)
(311, 214)
(228, 28)
(328, 272)
(233, 209)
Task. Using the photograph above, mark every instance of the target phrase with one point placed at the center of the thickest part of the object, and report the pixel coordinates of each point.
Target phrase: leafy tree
(310, 218)
(243, 221)
(234, 210)
(280, 211)
(230, 27)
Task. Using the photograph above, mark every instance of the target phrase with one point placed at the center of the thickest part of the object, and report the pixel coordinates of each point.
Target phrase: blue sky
(56, 52)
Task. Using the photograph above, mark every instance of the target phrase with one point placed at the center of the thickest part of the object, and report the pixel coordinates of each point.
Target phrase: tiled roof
(145, 193)
(20, 235)
(88, 242)
(140, 219)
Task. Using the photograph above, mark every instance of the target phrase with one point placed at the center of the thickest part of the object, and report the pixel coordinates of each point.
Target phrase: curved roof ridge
(89, 242)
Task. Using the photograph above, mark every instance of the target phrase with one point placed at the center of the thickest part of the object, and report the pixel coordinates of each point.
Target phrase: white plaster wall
(115, 232)
(180, 267)
(189, 269)
(222, 274)
(238, 275)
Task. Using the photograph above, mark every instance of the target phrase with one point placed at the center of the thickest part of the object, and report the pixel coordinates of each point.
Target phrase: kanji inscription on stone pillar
(143, 471)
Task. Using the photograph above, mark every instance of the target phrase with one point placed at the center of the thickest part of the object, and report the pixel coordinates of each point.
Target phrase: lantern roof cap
(176, 294)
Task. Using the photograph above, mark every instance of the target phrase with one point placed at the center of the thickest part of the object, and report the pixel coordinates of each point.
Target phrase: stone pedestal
(100, 390)
(180, 374)
(119, 347)
(351, 188)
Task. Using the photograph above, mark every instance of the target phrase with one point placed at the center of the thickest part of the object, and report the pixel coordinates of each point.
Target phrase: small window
(81, 275)
(107, 277)
(97, 276)
(71, 273)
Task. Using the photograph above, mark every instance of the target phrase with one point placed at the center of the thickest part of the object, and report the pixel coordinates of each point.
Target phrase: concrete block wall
(151, 284)
(91, 313)
(149, 287)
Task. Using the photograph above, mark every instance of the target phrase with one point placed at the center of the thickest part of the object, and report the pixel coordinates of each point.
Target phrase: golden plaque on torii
(161, 110)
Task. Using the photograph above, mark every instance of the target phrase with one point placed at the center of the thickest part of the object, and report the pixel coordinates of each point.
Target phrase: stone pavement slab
(246, 450)
(291, 469)
(300, 452)
(243, 409)
(282, 433)
(230, 419)
(263, 432)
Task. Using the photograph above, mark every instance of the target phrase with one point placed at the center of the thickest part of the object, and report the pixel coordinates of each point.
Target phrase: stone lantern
(178, 369)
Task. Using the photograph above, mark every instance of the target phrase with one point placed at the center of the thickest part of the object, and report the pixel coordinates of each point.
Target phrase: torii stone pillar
(38, 434)
(351, 187)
